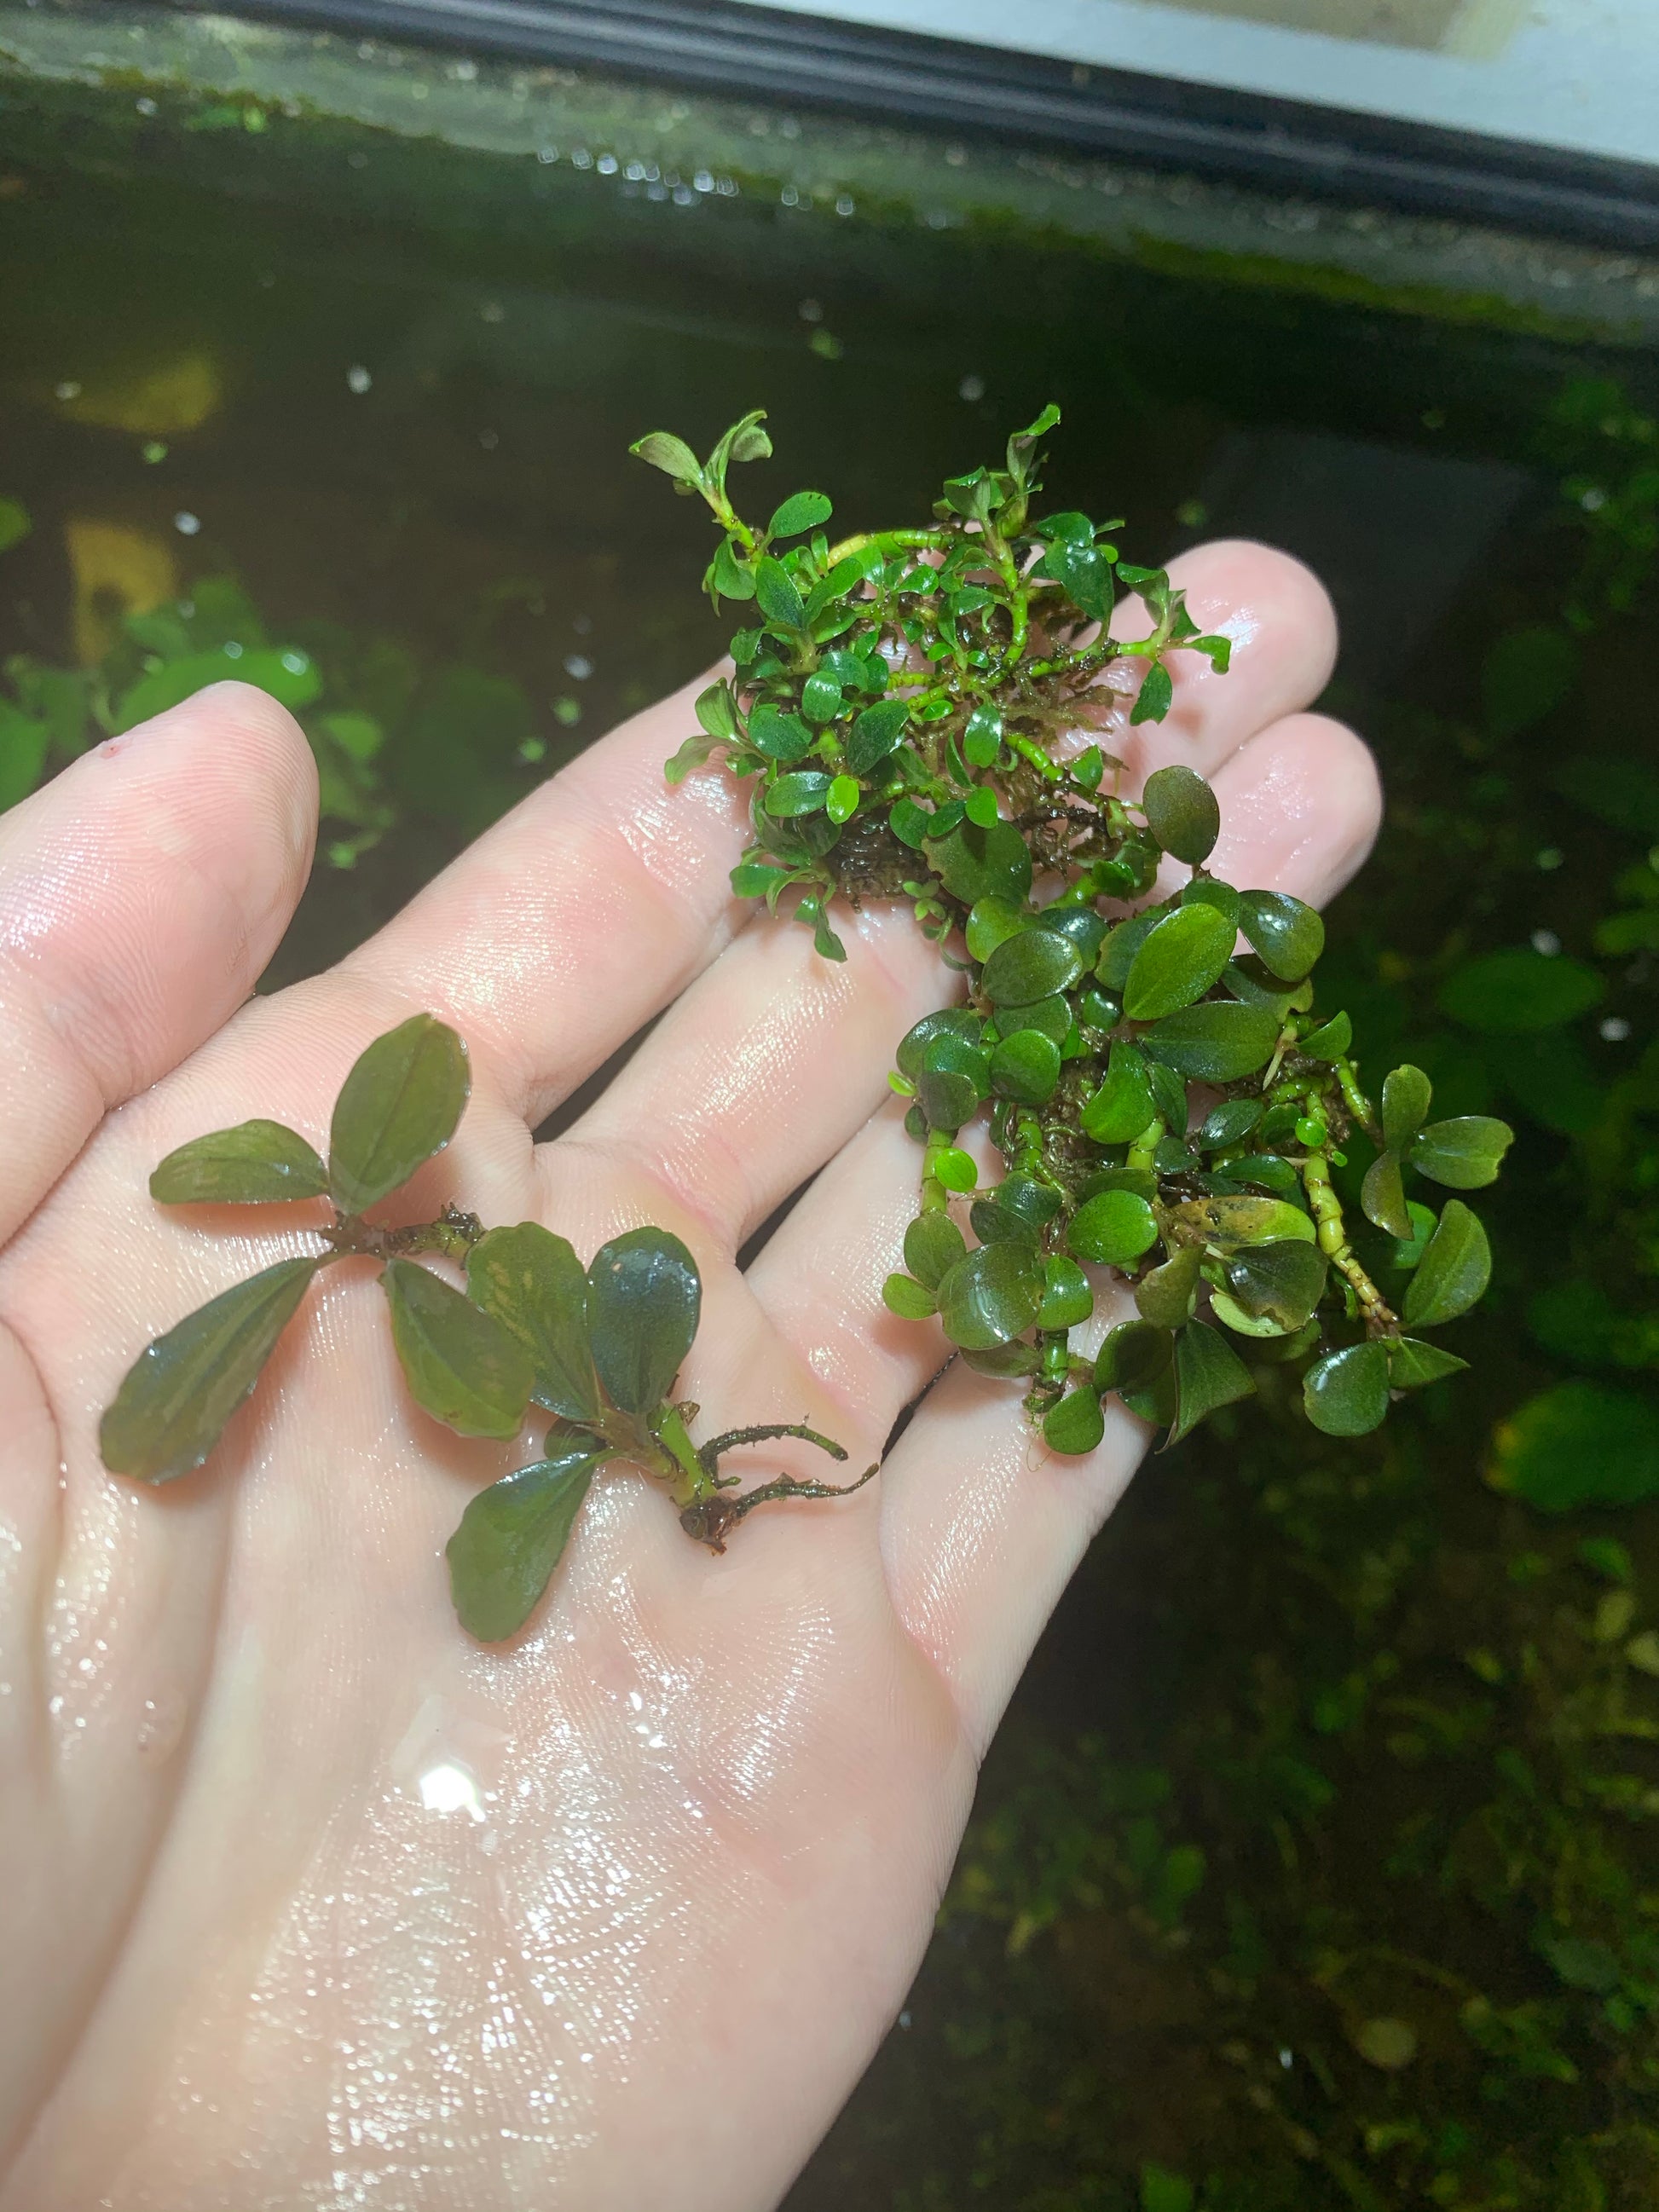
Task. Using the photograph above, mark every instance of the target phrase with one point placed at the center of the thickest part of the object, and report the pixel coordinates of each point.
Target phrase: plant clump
(919, 714)
(533, 1336)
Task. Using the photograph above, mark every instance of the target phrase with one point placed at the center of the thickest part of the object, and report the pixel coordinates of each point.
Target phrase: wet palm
(311, 1902)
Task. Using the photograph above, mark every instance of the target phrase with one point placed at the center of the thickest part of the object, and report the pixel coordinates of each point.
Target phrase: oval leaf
(644, 1296)
(1227, 1223)
(1026, 1066)
(991, 1295)
(1133, 1356)
(801, 511)
(877, 732)
(533, 1283)
(510, 1539)
(1181, 957)
(459, 1363)
(1406, 1093)
(1454, 1271)
(1076, 1425)
(180, 1391)
(910, 1300)
(932, 1246)
(1033, 964)
(1182, 814)
(1464, 1153)
(257, 1162)
(1165, 1295)
(1287, 934)
(1383, 1195)
(1112, 1229)
(1346, 1392)
(1067, 1301)
(1214, 1043)
(398, 1107)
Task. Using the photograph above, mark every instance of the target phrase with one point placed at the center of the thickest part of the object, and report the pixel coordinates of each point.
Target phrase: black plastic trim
(1284, 146)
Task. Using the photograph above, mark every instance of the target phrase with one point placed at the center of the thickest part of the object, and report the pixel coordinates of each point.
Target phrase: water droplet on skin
(161, 1727)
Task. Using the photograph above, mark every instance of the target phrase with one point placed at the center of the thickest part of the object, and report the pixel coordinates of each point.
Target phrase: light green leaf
(511, 1538)
(1122, 1107)
(1412, 1363)
(1112, 1229)
(932, 1246)
(398, 1106)
(664, 451)
(907, 1297)
(180, 1391)
(1464, 1153)
(1406, 1095)
(257, 1162)
(801, 511)
(14, 524)
(459, 1363)
(1076, 1424)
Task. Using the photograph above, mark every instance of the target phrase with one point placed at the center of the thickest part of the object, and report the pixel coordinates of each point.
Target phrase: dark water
(1253, 1766)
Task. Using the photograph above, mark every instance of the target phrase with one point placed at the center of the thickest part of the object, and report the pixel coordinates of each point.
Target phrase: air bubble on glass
(358, 379)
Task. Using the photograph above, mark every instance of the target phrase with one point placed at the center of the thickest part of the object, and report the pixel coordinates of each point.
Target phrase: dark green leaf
(982, 740)
(532, 1282)
(1179, 959)
(1412, 1363)
(644, 1296)
(511, 1538)
(1229, 1124)
(933, 1245)
(1117, 954)
(1067, 1301)
(779, 601)
(1085, 928)
(820, 698)
(975, 863)
(953, 1081)
(1208, 1373)
(915, 1043)
(1112, 1229)
(1464, 1153)
(907, 1297)
(1164, 1296)
(459, 1363)
(991, 1295)
(1406, 1093)
(730, 576)
(1213, 1043)
(717, 710)
(877, 732)
(1209, 890)
(180, 1391)
(398, 1107)
(1133, 1356)
(1076, 1424)
(1580, 1444)
(801, 511)
(256, 1163)
(1346, 1392)
(1280, 1282)
(990, 922)
(1030, 965)
(1454, 1271)
(1288, 935)
(1170, 1098)
(1156, 696)
(1122, 1107)
(1182, 814)
(803, 790)
(782, 738)
(1026, 1066)
(1053, 1017)
(1511, 992)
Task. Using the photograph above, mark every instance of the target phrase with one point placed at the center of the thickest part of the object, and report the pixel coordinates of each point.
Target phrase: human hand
(310, 1902)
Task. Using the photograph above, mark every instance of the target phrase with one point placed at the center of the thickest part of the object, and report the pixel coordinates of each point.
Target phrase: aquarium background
(1314, 1864)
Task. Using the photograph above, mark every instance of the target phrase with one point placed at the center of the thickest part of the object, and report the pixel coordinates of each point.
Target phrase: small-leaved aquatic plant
(920, 712)
(592, 1352)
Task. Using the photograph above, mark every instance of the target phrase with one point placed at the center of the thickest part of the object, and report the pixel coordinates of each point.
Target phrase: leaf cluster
(919, 714)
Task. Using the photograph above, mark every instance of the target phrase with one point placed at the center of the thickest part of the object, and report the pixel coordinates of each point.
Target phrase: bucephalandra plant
(593, 1351)
(920, 712)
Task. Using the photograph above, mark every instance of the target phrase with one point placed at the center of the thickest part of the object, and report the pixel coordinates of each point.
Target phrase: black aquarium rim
(1240, 137)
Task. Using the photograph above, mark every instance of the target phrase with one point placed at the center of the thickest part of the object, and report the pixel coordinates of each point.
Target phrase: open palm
(309, 1901)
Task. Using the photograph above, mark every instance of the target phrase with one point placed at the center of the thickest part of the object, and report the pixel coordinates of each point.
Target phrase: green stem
(1333, 1236)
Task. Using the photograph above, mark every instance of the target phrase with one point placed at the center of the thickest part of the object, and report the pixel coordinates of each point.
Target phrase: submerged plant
(533, 1334)
(919, 710)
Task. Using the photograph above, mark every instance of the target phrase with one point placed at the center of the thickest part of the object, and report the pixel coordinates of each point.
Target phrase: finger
(141, 894)
(981, 1527)
(762, 1070)
(567, 925)
(1283, 627)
